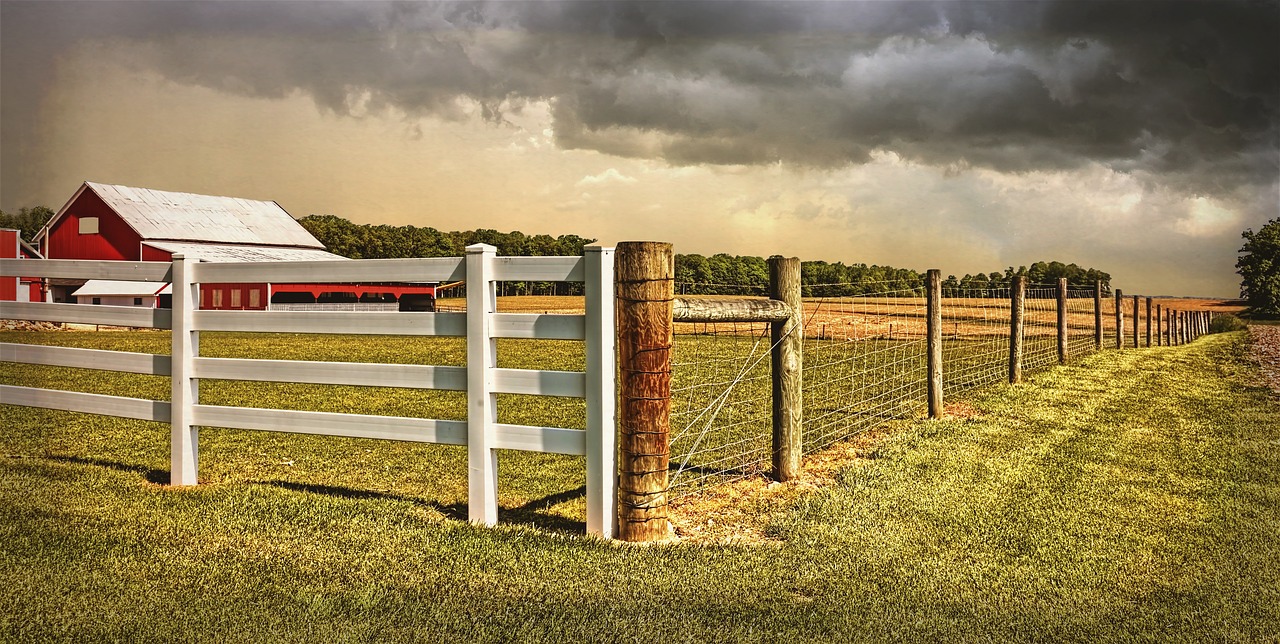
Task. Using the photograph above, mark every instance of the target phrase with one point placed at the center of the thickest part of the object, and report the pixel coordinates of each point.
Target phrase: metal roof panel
(233, 253)
(181, 216)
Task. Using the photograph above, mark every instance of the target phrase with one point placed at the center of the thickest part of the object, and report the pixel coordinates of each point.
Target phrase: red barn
(106, 222)
(19, 289)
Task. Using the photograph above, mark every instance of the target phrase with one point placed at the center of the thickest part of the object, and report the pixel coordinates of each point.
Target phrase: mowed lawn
(1132, 496)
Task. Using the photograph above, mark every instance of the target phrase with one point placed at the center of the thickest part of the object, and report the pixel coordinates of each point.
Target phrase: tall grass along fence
(680, 392)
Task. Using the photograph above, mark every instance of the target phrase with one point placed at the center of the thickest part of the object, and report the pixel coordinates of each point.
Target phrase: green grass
(1133, 496)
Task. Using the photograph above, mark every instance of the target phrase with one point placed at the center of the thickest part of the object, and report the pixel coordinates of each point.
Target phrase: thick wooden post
(1062, 320)
(184, 436)
(645, 279)
(1169, 328)
(482, 400)
(1017, 306)
(1097, 315)
(933, 303)
(1135, 322)
(1119, 319)
(788, 369)
(602, 392)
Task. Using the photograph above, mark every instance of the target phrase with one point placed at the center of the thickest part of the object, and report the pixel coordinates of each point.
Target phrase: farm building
(120, 293)
(18, 289)
(109, 222)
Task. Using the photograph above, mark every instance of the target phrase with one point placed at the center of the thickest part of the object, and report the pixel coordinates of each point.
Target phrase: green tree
(27, 220)
(1259, 266)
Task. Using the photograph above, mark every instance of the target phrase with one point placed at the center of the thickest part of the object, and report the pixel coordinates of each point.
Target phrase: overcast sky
(1136, 137)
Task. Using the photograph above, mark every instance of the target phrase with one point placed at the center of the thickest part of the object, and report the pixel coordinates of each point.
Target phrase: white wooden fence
(481, 325)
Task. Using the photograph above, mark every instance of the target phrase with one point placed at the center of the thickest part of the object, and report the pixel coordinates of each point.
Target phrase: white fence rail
(482, 379)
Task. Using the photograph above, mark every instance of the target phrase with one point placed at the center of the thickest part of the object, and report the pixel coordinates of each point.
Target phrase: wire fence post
(645, 278)
(1148, 322)
(788, 368)
(1062, 320)
(1119, 319)
(184, 436)
(1159, 328)
(933, 290)
(1017, 306)
(1135, 322)
(1097, 315)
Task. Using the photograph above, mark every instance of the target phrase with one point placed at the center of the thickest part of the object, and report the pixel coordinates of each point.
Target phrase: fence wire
(721, 404)
(864, 364)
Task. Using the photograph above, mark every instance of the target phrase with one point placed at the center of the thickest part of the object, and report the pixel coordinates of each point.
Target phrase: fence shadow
(530, 513)
(158, 477)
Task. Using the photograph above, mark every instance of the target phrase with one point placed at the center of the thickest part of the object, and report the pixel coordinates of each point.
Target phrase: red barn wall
(150, 254)
(9, 248)
(115, 239)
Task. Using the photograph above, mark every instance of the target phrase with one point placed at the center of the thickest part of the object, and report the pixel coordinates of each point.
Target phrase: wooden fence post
(1136, 344)
(1119, 319)
(1148, 322)
(1017, 306)
(645, 278)
(184, 436)
(1062, 320)
(1170, 328)
(788, 369)
(1159, 329)
(482, 401)
(1097, 315)
(602, 392)
(933, 303)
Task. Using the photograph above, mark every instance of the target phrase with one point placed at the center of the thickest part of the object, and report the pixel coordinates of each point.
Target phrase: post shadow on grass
(530, 513)
(157, 477)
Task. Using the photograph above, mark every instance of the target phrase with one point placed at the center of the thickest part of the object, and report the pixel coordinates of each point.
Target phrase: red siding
(115, 239)
(150, 254)
(238, 297)
(9, 248)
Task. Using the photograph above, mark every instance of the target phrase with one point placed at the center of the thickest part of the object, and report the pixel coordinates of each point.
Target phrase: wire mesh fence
(721, 411)
(864, 365)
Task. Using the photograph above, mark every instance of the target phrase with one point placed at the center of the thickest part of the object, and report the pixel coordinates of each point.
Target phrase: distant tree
(1259, 266)
(27, 220)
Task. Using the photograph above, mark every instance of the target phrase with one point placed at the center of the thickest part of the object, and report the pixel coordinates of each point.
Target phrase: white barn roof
(182, 216)
(98, 288)
(230, 253)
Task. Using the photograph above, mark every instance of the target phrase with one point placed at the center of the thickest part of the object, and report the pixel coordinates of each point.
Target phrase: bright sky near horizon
(1139, 138)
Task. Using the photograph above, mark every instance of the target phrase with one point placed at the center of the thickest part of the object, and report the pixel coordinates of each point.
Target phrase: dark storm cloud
(1187, 93)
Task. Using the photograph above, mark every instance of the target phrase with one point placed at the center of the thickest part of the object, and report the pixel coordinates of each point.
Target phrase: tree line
(719, 274)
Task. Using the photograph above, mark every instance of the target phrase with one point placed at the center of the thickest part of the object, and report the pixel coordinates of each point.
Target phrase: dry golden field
(896, 317)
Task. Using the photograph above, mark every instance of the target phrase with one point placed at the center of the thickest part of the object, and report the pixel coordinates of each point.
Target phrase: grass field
(1133, 496)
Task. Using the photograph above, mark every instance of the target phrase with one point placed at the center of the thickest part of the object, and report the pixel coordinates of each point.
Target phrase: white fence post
(184, 456)
(602, 371)
(482, 408)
